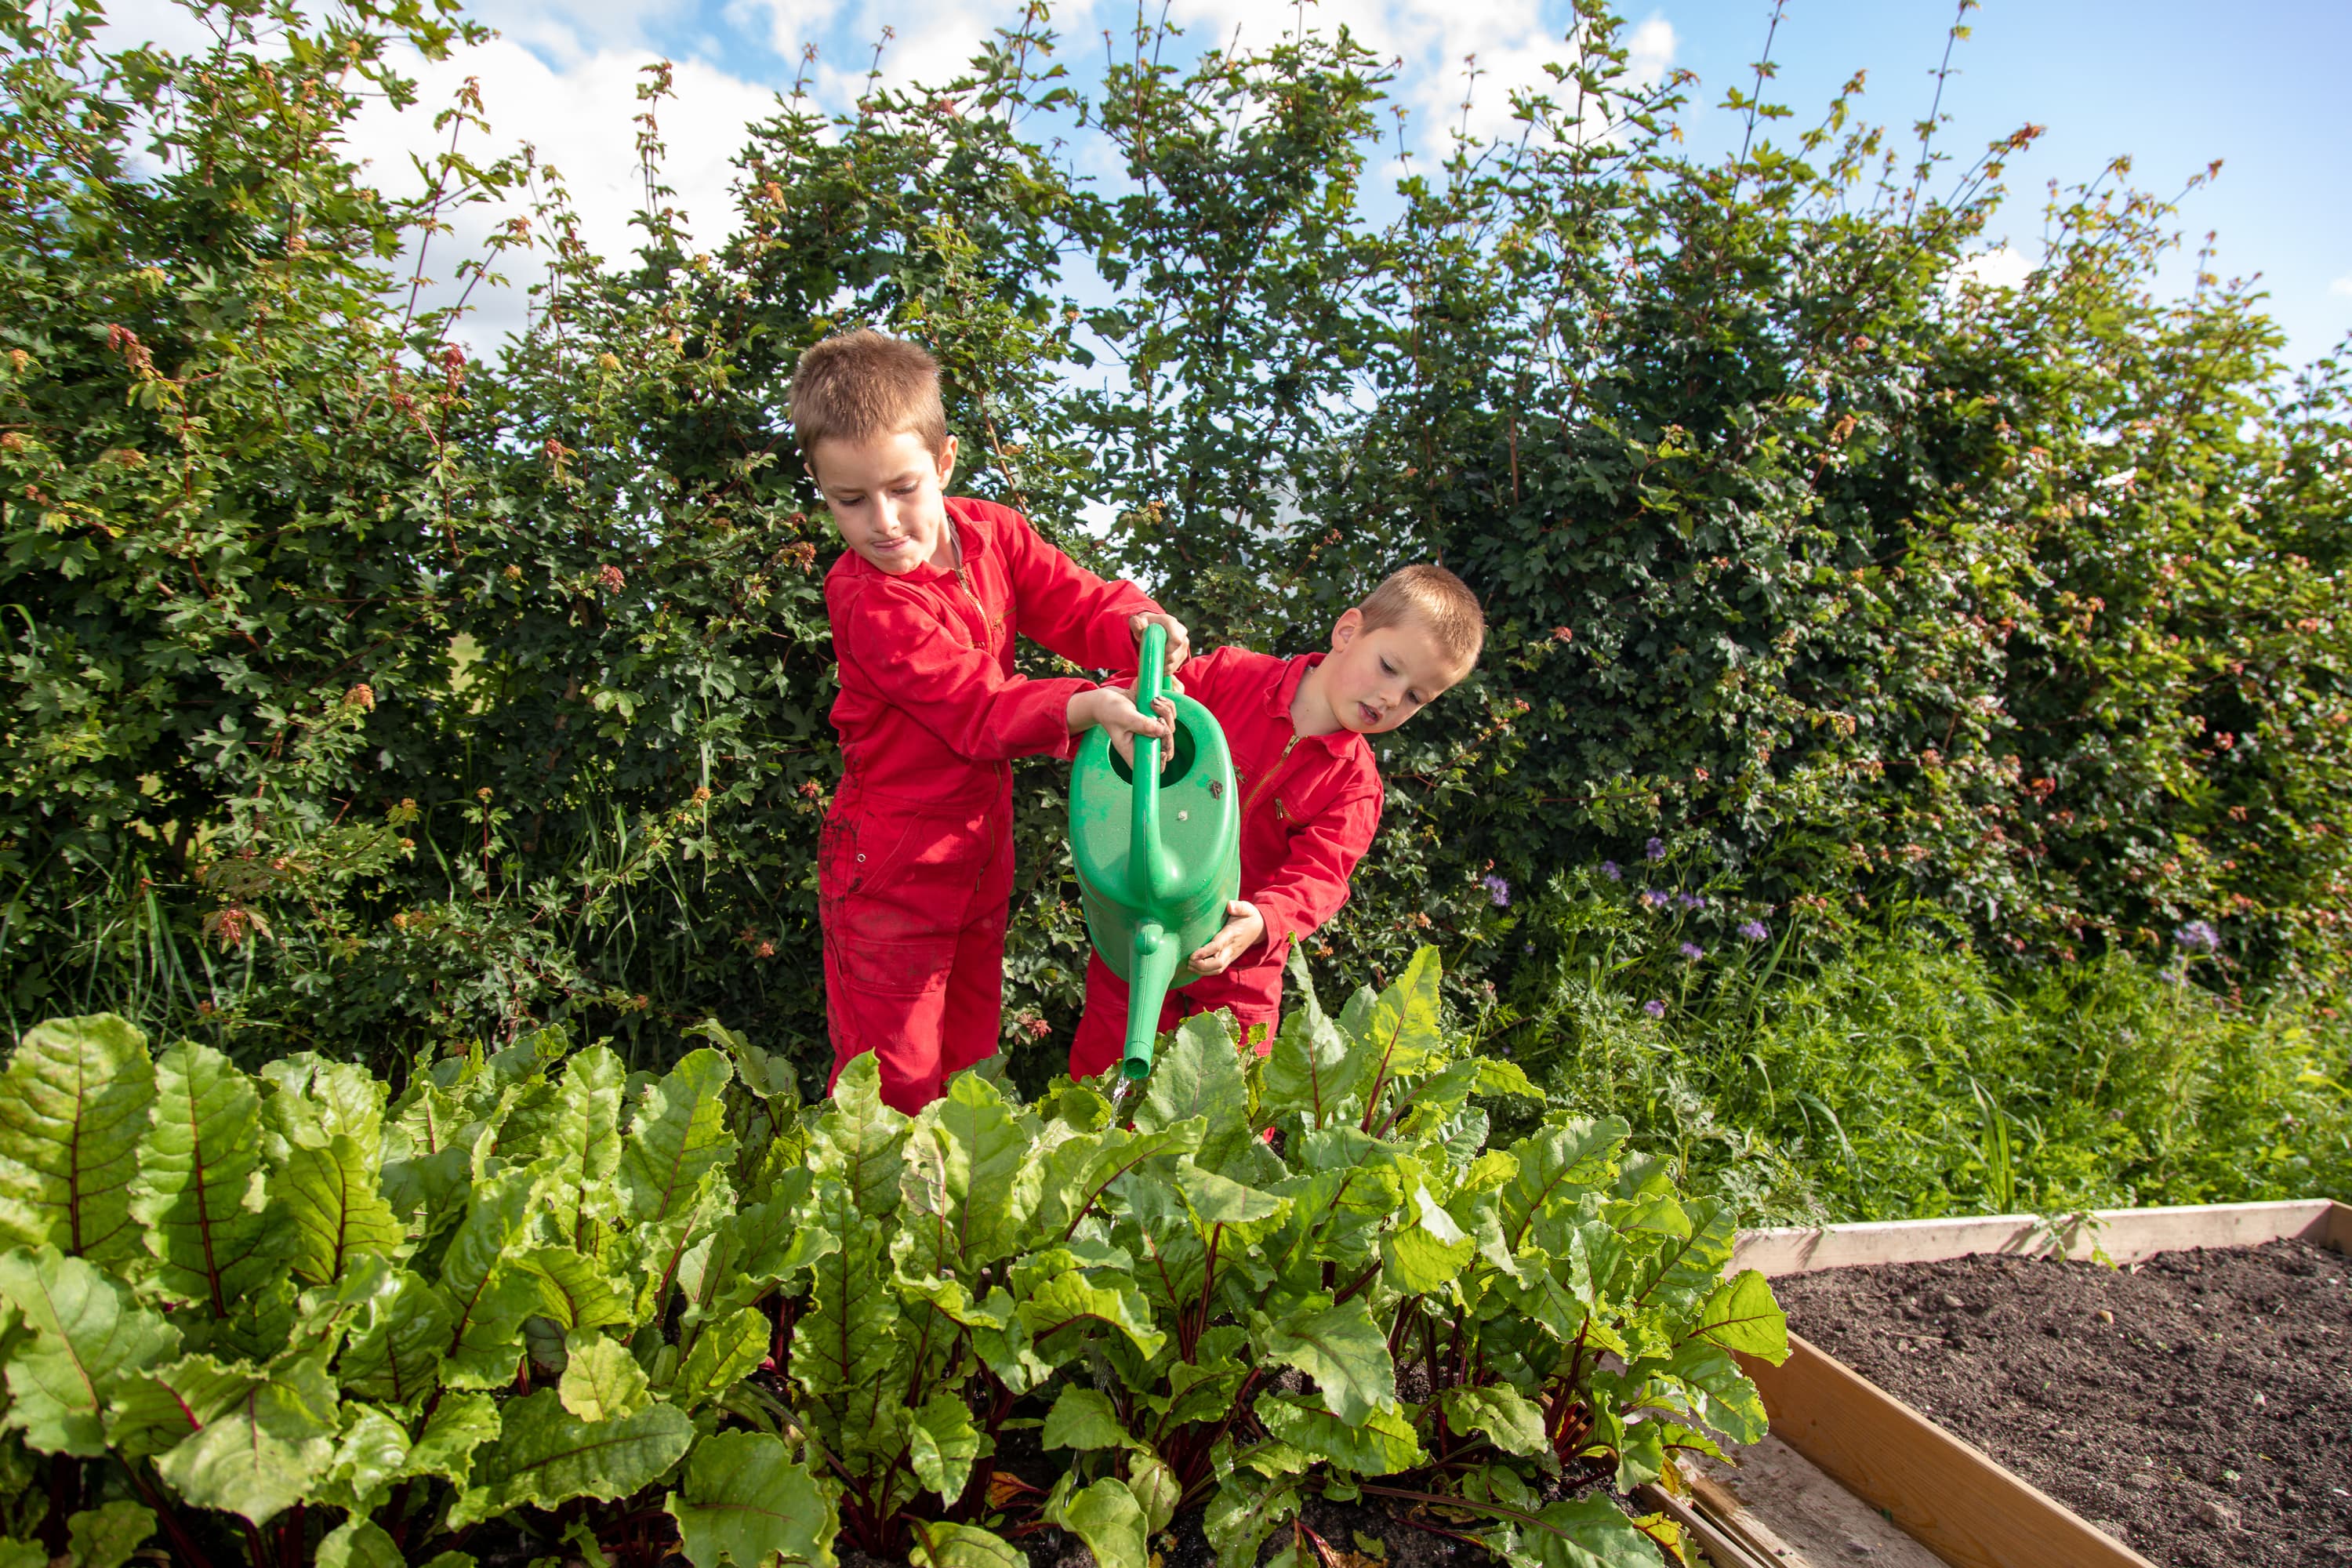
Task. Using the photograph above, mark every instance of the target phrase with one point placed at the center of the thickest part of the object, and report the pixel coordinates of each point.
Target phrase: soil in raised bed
(2198, 1406)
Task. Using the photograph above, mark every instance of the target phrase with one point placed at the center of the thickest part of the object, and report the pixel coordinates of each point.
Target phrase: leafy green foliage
(370, 692)
(791, 1325)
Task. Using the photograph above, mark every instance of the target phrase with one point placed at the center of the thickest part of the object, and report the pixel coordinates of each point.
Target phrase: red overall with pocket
(1310, 805)
(915, 861)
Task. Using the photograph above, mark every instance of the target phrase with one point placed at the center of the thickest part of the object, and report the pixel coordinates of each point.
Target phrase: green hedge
(361, 695)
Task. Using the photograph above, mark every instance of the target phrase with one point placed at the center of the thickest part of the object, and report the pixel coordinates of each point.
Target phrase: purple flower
(1608, 869)
(1654, 1008)
(1693, 952)
(1753, 930)
(1655, 898)
(1690, 902)
(2197, 936)
(1656, 850)
(1497, 889)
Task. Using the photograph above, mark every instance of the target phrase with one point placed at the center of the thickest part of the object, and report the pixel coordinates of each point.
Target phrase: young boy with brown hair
(1310, 792)
(915, 860)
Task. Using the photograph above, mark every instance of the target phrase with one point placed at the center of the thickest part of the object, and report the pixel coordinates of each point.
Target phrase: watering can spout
(1154, 967)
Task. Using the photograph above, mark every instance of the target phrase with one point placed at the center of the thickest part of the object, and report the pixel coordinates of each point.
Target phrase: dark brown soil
(2198, 1406)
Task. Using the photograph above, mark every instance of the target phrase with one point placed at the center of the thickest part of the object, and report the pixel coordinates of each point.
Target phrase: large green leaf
(859, 1141)
(1106, 1517)
(314, 1099)
(1342, 1349)
(1244, 1512)
(1311, 1071)
(1586, 1532)
(723, 1354)
(1505, 1416)
(73, 1106)
(744, 1502)
(574, 1288)
(88, 1335)
(329, 1195)
(1558, 1165)
(602, 1380)
(358, 1542)
(761, 1246)
(490, 1294)
(1741, 1315)
(545, 1455)
(459, 1424)
(201, 1185)
(957, 1546)
(1083, 1419)
(105, 1536)
(1200, 1074)
(943, 1445)
(1382, 1446)
(1404, 1032)
(575, 1141)
(1072, 1299)
(679, 1132)
(265, 1452)
(969, 1184)
(154, 1410)
(398, 1336)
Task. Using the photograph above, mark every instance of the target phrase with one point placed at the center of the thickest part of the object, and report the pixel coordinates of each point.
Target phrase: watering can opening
(1178, 766)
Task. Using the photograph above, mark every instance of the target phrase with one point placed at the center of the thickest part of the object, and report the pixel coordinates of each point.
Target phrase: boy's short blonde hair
(1438, 599)
(859, 386)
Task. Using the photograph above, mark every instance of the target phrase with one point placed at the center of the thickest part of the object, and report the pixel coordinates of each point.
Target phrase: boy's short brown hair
(1438, 599)
(855, 386)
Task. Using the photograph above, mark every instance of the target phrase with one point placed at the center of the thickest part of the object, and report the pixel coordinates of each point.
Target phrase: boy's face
(1376, 679)
(885, 493)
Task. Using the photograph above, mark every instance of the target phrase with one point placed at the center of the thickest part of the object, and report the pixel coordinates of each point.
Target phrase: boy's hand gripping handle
(1150, 871)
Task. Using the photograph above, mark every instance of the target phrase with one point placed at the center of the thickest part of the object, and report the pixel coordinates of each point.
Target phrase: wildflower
(1497, 889)
(1753, 930)
(361, 696)
(1693, 952)
(765, 950)
(1690, 902)
(1036, 1027)
(811, 789)
(1656, 850)
(2197, 936)
(1654, 1008)
(1654, 898)
(612, 578)
(1608, 869)
(1562, 634)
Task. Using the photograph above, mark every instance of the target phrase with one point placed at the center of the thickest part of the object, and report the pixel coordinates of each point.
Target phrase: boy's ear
(1345, 630)
(946, 462)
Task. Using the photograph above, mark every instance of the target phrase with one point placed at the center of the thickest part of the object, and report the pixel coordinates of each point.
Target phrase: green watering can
(1159, 854)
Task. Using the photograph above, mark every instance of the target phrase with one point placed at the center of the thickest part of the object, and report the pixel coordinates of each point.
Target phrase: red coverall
(915, 862)
(1310, 808)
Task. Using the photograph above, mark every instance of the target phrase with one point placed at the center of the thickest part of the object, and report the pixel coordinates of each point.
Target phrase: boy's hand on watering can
(1113, 708)
(1179, 641)
(1245, 927)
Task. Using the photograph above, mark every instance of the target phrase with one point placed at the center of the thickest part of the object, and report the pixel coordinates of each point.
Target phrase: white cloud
(2342, 285)
(2002, 267)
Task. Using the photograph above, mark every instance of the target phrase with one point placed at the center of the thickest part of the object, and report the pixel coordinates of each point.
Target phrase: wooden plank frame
(1945, 1493)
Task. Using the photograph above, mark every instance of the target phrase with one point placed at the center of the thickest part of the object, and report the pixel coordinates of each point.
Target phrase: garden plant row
(534, 1304)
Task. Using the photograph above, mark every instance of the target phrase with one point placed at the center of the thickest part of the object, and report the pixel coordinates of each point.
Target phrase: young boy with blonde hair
(915, 860)
(1310, 792)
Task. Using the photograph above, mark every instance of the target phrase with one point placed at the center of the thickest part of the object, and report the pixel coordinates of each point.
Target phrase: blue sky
(2173, 85)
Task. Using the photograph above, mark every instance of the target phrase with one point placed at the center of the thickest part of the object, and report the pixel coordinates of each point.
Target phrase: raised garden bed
(2230, 1351)
(2194, 1405)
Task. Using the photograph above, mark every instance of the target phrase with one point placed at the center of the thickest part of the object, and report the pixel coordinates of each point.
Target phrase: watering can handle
(1150, 876)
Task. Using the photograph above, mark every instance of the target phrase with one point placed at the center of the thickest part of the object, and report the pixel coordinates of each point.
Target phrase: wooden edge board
(1945, 1493)
(2119, 1235)
(1721, 1548)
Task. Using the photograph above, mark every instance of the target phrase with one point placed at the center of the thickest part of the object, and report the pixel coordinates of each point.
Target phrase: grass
(1904, 1078)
